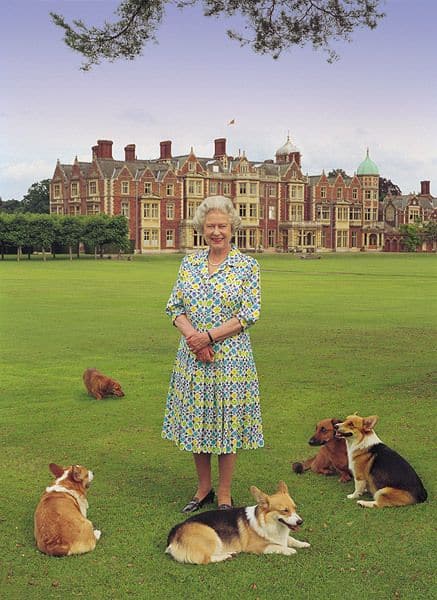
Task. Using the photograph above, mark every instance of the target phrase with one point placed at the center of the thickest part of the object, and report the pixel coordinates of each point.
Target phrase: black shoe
(195, 503)
(226, 506)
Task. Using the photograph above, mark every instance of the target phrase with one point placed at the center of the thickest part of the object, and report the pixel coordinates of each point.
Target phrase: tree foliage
(270, 26)
(41, 232)
(37, 198)
(386, 186)
(336, 172)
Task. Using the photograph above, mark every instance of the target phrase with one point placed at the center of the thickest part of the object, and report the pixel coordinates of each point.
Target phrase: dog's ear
(261, 498)
(57, 470)
(369, 422)
(76, 474)
(335, 422)
(282, 487)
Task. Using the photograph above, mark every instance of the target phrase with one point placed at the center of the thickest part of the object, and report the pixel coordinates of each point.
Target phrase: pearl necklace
(216, 264)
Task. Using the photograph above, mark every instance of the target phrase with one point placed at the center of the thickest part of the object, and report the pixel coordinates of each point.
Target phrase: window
(93, 209)
(92, 188)
(354, 239)
(261, 211)
(322, 212)
(355, 213)
(323, 239)
(253, 189)
(74, 189)
(125, 209)
(226, 188)
(125, 188)
(194, 187)
(296, 212)
(242, 187)
(367, 214)
(342, 239)
(213, 188)
(241, 238)
(151, 237)
(191, 166)
(243, 168)
(198, 240)
(251, 238)
(342, 213)
(170, 211)
(323, 191)
(272, 191)
(253, 213)
(271, 238)
(57, 190)
(151, 210)
(169, 189)
(169, 238)
(296, 192)
(147, 188)
(355, 194)
(242, 210)
(339, 193)
(367, 194)
(272, 212)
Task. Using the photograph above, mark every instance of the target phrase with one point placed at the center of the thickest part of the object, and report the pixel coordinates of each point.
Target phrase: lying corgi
(376, 468)
(61, 526)
(101, 386)
(332, 456)
(216, 535)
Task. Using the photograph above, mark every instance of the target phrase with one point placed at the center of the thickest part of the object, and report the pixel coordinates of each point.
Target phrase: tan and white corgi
(377, 468)
(217, 535)
(61, 526)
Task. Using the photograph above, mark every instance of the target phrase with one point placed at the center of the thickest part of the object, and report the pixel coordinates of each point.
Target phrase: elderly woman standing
(213, 400)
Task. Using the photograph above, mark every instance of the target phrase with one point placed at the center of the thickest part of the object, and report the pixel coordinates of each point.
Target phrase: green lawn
(337, 335)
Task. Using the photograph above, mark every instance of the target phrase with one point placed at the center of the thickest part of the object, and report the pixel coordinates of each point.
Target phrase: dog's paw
(304, 545)
(353, 496)
(97, 533)
(289, 551)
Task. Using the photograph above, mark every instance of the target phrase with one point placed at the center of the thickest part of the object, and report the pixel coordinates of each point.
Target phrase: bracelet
(211, 339)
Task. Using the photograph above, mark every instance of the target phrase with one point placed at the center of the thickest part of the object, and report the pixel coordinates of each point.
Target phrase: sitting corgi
(332, 456)
(216, 535)
(376, 468)
(101, 386)
(61, 526)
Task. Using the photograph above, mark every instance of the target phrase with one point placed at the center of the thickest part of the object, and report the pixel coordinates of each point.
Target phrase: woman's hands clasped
(198, 342)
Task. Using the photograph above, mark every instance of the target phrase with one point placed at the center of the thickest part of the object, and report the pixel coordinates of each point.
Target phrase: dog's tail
(300, 467)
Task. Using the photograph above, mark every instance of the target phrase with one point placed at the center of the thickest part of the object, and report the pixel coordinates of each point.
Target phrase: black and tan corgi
(377, 468)
(217, 535)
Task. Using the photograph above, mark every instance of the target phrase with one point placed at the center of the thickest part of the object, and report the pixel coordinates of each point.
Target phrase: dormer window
(191, 166)
(125, 188)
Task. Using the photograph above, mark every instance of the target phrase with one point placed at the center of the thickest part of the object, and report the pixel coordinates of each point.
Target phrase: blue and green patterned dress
(214, 407)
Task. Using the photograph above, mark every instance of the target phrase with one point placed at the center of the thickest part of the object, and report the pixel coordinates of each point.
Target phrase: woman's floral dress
(214, 407)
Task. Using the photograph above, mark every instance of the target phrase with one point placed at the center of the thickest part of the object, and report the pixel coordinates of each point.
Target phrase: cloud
(26, 170)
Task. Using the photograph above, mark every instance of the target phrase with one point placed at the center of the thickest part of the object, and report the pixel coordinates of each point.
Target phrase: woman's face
(217, 230)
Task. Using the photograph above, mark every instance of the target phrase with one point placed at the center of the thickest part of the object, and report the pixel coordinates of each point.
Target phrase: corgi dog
(217, 535)
(377, 468)
(332, 456)
(61, 526)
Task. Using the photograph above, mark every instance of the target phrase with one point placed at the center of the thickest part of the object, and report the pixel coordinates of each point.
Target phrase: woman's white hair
(220, 203)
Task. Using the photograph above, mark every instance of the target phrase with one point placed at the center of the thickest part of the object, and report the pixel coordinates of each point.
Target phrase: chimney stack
(425, 188)
(220, 147)
(165, 150)
(104, 149)
(129, 152)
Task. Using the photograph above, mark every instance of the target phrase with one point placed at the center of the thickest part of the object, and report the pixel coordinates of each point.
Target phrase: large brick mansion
(280, 207)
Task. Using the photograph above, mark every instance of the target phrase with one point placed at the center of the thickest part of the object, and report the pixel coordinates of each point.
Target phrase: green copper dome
(367, 167)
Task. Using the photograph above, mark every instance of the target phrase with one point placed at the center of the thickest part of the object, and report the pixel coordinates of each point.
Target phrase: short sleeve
(251, 304)
(175, 305)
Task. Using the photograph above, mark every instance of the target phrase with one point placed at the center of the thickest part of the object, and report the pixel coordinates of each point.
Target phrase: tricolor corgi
(217, 535)
(377, 468)
(61, 526)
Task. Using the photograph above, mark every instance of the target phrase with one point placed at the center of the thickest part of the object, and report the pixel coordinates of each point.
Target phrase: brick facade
(281, 209)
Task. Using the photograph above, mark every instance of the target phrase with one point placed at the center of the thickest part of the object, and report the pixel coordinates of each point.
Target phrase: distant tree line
(26, 233)
(35, 201)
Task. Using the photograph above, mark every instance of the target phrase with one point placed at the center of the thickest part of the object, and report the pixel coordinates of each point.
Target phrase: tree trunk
(70, 251)
(95, 252)
(18, 253)
(44, 254)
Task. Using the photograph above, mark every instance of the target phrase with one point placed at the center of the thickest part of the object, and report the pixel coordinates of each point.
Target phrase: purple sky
(381, 94)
